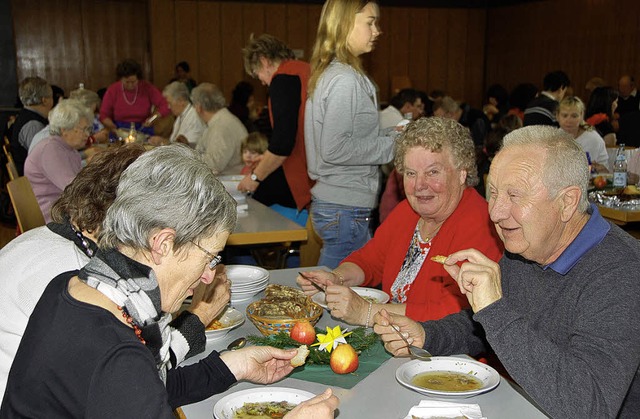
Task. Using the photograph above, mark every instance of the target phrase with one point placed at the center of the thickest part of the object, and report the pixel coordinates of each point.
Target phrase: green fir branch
(359, 339)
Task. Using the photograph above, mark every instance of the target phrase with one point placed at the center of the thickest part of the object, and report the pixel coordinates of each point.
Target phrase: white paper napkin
(433, 408)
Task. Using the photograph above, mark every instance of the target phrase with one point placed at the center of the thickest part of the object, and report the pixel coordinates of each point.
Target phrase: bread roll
(301, 356)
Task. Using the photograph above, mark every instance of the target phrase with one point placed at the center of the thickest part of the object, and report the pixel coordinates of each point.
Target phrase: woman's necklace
(124, 95)
(129, 320)
(422, 230)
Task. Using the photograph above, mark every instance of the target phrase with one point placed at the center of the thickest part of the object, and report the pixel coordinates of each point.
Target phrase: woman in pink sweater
(132, 99)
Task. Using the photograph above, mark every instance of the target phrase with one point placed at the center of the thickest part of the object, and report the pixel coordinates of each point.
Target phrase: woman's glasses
(215, 260)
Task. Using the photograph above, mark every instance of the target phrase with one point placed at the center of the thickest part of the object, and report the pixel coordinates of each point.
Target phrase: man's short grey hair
(167, 187)
(435, 134)
(33, 90)
(89, 98)
(67, 114)
(208, 96)
(177, 90)
(565, 161)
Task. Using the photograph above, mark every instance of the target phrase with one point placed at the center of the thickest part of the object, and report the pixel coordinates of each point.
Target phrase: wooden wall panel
(232, 41)
(418, 55)
(162, 40)
(474, 58)
(209, 42)
(69, 42)
(186, 45)
(437, 51)
(457, 50)
(591, 38)
(275, 20)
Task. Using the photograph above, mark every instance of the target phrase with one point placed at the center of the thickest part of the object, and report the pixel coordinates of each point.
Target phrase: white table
(378, 396)
(261, 225)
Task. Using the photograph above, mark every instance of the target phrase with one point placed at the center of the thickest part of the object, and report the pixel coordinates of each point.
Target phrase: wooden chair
(12, 170)
(25, 205)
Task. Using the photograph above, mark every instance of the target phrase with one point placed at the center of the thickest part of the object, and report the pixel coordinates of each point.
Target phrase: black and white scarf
(134, 287)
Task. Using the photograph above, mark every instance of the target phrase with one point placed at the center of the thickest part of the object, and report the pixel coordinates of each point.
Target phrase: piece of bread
(439, 259)
(301, 356)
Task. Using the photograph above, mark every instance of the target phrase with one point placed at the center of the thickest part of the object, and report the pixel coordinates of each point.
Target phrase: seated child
(252, 149)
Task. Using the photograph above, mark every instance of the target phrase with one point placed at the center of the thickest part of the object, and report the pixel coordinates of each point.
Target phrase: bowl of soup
(447, 376)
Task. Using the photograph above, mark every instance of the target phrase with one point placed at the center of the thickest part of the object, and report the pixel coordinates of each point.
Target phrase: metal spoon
(416, 352)
(237, 344)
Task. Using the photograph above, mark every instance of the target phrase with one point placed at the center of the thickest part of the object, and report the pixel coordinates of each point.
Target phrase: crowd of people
(532, 273)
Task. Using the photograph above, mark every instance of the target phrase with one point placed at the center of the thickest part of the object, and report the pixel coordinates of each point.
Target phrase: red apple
(599, 182)
(303, 332)
(344, 359)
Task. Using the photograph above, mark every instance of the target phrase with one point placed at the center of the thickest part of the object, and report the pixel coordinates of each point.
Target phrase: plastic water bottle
(620, 169)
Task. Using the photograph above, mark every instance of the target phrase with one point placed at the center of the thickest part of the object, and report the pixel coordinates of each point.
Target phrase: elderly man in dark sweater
(562, 307)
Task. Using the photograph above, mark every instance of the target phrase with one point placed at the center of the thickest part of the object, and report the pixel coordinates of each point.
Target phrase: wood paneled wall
(72, 41)
(460, 51)
(435, 48)
(584, 38)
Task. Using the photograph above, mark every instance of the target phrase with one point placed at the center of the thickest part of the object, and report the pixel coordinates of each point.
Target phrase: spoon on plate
(237, 344)
(416, 352)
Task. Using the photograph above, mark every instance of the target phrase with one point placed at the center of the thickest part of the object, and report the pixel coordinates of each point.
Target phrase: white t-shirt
(592, 143)
(188, 124)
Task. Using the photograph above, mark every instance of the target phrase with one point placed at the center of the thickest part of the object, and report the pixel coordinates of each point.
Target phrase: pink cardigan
(434, 294)
(115, 106)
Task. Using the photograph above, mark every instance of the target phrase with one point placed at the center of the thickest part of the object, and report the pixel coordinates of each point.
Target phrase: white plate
(240, 275)
(225, 407)
(247, 287)
(380, 297)
(230, 319)
(489, 377)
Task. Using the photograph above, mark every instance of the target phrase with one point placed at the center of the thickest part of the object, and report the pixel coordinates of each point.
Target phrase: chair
(25, 205)
(12, 170)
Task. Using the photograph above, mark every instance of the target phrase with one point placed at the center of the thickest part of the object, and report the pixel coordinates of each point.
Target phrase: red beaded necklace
(129, 320)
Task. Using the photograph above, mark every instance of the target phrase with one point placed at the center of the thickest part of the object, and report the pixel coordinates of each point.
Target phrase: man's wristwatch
(254, 177)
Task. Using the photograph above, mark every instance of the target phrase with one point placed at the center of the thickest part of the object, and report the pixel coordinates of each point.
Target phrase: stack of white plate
(246, 281)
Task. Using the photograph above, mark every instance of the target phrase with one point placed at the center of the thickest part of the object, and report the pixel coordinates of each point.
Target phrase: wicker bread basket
(272, 325)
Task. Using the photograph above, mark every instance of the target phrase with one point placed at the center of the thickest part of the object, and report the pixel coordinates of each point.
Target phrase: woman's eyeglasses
(215, 260)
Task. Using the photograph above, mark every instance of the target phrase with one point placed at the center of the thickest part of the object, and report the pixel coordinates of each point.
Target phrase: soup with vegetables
(264, 410)
(446, 381)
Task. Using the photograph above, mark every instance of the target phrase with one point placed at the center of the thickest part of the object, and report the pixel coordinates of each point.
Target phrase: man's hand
(393, 343)
(478, 277)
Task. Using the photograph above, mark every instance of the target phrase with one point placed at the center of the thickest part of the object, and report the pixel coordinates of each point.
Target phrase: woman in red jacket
(442, 214)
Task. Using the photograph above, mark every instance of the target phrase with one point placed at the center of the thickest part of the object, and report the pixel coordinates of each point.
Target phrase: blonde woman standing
(343, 145)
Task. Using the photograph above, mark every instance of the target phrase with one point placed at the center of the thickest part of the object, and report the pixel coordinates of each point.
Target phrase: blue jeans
(343, 230)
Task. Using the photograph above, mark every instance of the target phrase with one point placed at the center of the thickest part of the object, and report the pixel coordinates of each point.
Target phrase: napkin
(242, 207)
(437, 409)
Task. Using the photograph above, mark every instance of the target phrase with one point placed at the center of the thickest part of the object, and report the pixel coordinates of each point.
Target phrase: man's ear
(571, 196)
(161, 244)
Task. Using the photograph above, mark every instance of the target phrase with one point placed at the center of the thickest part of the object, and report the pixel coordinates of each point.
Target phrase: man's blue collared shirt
(591, 234)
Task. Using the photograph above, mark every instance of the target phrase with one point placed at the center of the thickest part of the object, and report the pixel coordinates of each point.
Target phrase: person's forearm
(109, 124)
(269, 163)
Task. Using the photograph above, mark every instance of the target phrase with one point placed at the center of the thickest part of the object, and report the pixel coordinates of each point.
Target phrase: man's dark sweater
(568, 333)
